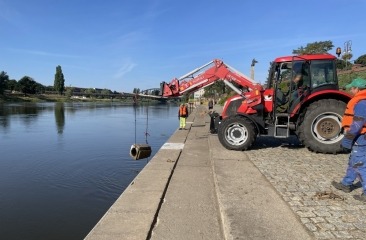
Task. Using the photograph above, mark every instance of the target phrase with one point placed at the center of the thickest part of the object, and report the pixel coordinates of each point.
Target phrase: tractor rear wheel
(320, 127)
(237, 133)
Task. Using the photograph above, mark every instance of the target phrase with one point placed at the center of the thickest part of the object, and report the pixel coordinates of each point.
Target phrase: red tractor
(302, 98)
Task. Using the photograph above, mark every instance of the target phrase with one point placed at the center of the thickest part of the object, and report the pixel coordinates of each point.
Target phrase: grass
(347, 78)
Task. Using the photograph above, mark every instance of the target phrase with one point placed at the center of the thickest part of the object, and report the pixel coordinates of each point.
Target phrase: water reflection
(4, 122)
(60, 117)
(29, 112)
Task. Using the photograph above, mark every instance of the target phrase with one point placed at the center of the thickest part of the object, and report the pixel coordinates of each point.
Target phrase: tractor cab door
(280, 82)
(291, 82)
(300, 85)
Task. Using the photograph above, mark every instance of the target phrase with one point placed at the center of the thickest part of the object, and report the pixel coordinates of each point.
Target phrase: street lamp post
(252, 68)
(347, 50)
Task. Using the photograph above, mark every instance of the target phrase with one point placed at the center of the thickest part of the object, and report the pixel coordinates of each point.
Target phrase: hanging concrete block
(140, 151)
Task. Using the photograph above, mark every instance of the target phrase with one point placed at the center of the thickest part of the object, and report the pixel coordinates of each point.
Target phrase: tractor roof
(306, 57)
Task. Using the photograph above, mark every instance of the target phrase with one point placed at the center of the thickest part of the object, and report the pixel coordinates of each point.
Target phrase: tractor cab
(294, 78)
(297, 82)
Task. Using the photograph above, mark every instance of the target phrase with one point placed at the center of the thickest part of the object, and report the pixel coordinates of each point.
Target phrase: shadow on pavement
(265, 142)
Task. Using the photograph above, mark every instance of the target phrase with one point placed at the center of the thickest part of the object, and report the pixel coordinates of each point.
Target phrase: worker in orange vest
(182, 115)
(354, 125)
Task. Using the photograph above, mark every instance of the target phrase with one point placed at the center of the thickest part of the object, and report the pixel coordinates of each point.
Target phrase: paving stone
(306, 214)
(337, 213)
(363, 207)
(295, 203)
(350, 218)
(344, 226)
(322, 213)
(342, 234)
(361, 226)
(334, 219)
(311, 227)
(326, 226)
(357, 234)
(324, 235)
(318, 220)
(336, 208)
(305, 220)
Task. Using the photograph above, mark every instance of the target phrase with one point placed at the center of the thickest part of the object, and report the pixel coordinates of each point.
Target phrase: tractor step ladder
(282, 130)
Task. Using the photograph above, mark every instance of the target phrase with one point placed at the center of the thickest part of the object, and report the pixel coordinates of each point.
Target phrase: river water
(62, 165)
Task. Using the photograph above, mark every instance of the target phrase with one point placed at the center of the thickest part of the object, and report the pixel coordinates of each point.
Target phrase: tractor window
(322, 72)
(272, 79)
(285, 76)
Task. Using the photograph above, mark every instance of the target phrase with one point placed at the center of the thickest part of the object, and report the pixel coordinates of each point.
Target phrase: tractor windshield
(322, 73)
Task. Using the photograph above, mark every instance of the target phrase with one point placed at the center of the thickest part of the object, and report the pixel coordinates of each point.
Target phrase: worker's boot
(342, 187)
(361, 197)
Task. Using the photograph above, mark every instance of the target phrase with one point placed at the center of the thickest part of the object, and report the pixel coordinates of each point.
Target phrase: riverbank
(32, 98)
(8, 98)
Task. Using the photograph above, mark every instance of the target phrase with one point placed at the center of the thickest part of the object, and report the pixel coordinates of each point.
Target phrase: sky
(125, 44)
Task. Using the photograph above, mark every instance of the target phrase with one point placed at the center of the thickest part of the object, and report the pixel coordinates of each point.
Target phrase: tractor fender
(316, 96)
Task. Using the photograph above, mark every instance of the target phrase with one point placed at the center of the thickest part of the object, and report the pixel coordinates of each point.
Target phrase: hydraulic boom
(206, 75)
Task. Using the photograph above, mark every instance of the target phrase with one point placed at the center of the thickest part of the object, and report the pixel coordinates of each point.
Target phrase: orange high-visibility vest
(349, 113)
(183, 111)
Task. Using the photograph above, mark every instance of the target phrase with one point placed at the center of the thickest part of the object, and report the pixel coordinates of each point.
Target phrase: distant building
(199, 93)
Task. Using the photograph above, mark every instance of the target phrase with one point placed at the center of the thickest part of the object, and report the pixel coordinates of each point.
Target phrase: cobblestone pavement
(303, 179)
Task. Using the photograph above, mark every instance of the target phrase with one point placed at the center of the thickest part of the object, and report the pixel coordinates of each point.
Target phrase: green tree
(361, 60)
(156, 92)
(40, 88)
(340, 64)
(12, 85)
(3, 79)
(59, 83)
(50, 88)
(105, 91)
(217, 88)
(27, 85)
(89, 92)
(185, 98)
(346, 57)
(69, 92)
(314, 48)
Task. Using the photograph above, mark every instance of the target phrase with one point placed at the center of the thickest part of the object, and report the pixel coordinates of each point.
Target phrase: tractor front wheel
(237, 133)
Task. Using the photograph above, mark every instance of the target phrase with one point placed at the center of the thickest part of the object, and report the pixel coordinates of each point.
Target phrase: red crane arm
(206, 75)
